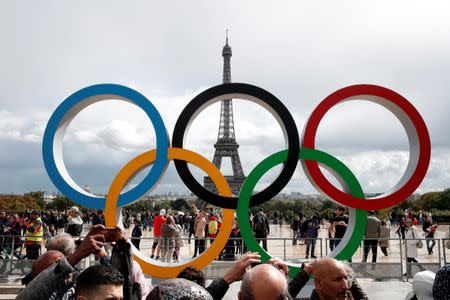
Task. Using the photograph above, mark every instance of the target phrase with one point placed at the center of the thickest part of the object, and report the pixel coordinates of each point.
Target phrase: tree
(61, 203)
(180, 205)
(39, 196)
(442, 201)
(17, 203)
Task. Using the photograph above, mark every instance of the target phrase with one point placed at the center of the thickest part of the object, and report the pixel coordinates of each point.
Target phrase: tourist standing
(34, 235)
(401, 228)
(157, 223)
(178, 243)
(191, 227)
(261, 227)
(74, 222)
(412, 237)
(168, 233)
(385, 234)
(429, 230)
(136, 234)
(98, 218)
(312, 226)
(294, 226)
(373, 231)
(339, 223)
(199, 234)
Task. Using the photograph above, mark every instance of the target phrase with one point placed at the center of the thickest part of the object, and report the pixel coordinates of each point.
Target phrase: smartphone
(111, 234)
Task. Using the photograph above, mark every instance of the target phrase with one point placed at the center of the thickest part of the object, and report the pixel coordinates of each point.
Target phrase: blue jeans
(433, 242)
(310, 244)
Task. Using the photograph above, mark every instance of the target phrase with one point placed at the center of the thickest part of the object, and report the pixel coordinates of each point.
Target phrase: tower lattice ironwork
(226, 145)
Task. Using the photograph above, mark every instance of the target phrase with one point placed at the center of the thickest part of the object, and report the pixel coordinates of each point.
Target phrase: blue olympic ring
(58, 123)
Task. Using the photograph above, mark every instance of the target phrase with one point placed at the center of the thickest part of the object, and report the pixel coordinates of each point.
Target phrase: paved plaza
(282, 246)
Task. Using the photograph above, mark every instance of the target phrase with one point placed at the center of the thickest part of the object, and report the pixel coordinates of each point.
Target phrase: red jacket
(157, 222)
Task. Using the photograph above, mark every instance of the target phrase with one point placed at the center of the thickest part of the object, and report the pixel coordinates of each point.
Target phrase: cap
(422, 286)
(162, 212)
(179, 288)
(35, 211)
(75, 209)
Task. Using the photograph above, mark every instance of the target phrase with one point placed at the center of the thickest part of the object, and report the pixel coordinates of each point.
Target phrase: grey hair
(62, 242)
(246, 291)
(350, 272)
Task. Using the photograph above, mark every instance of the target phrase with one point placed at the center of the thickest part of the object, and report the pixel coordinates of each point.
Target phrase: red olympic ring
(419, 139)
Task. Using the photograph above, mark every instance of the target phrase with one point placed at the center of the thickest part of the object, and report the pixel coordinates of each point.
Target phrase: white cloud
(26, 128)
(300, 52)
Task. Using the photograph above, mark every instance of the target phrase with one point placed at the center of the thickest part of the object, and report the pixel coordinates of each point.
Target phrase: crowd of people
(60, 233)
(55, 276)
(29, 231)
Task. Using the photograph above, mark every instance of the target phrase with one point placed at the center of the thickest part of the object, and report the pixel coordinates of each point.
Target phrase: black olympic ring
(254, 94)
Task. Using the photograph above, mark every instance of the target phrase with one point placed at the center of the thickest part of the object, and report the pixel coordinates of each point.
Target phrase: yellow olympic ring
(112, 213)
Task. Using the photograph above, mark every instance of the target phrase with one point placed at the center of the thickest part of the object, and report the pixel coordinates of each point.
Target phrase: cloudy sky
(170, 51)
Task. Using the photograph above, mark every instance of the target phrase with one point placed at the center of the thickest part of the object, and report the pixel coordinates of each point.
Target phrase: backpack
(259, 223)
(213, 227)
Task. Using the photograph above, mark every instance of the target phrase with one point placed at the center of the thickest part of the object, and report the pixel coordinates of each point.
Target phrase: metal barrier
(446, 250)
(12, 261)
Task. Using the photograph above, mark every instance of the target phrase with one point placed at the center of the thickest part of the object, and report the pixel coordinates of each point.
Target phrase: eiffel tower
(226, 145)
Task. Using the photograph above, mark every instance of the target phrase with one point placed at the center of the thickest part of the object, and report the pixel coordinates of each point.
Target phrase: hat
(162, 212)
(179, 288)
(441, 287)
(75, 209)
(422, 286)
(35, 211)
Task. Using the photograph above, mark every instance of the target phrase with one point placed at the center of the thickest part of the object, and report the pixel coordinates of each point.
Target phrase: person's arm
(299, 281)
(219, 287)
(43, 285)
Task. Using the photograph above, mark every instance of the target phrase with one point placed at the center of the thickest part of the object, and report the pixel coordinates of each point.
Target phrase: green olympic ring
(357, 217)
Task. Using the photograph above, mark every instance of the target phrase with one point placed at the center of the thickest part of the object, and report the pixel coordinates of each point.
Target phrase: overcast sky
(300, 51)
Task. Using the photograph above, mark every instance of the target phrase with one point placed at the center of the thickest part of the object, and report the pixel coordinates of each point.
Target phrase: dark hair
(341, 208)
(383, 222)
(193, 274)
(95, 276)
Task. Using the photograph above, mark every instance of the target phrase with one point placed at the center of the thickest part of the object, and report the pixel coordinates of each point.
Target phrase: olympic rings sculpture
(352, 195)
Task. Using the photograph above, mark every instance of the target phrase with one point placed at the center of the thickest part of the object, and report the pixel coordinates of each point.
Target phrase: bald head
(330, 279)
(263, 282)
(45, 260)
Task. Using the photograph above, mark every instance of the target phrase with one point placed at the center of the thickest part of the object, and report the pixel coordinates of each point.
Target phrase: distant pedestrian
(74, 222)
(312, 226)
(199, 234)
(295, 226)
(168, 234)
(34, 235)
(412, 237)
(373, 232)
(136, 234)
(158, 221)
(261, 227)
(339, 223)
(385, 234)
(429, 228)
